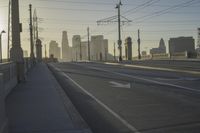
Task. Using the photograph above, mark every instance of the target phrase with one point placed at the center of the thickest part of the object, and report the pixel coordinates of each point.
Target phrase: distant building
(161, 48)
(98, 48)
(54, 49)
(198, 38)
(128, 48)
(66, 50)
(110, 57)
(76, 43)
(198, 50)
(25, 52)
(38, 50)
(105, 49)
(144, 53)
(181, 44)
(84, 50)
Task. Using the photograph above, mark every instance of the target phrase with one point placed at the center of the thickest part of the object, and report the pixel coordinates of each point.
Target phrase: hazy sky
(155, 18)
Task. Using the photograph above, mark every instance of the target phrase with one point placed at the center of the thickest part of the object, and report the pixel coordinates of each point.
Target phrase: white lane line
(160, 83)
(155, 68)
(126, 123)
(148, 80)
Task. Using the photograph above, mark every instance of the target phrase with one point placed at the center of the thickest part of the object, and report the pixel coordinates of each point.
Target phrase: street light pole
(1, 45)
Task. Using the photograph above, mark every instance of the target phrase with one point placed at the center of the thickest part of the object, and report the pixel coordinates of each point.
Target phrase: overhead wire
(164, 11)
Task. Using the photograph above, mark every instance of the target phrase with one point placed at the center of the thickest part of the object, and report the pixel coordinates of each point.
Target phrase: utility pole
(139, 54)
(113, 19)
(119, 31)
(88, 31)
(114, 53)
(8, 47)
(31, 33)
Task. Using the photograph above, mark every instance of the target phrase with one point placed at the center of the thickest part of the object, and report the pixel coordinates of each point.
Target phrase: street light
(1, 45)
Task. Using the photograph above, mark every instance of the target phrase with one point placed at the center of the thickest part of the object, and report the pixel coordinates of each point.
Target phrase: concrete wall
(9, 76)
(3, 118)
(8, 80)
(174, 56)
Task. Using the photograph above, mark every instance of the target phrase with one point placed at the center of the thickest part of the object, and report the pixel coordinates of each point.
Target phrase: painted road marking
(148, 80)
(120, 85)
(156, 68)
(126, 123)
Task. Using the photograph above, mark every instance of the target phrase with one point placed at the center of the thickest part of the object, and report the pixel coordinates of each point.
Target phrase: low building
(98, 48)
(25, 52)
(181, 44)
(161, 48)
(144, 53)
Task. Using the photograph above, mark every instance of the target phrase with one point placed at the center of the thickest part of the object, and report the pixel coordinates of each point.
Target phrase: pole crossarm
(113, 19)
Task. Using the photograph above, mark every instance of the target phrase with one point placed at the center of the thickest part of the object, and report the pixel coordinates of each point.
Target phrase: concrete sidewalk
(39, 105)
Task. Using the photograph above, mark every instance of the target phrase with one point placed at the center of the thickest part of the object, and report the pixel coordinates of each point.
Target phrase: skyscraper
(76, 46)
(128, 48)
(66, 52)
(54, 49)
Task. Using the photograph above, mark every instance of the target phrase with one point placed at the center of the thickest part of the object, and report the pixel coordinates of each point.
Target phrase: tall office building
(54, 49)
(66, 52)
(128, 48)
(76, 44)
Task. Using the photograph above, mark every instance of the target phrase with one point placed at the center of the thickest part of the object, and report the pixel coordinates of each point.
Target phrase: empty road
(120, 99)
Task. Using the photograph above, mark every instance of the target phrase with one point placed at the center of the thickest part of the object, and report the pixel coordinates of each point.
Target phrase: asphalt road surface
(119, 99)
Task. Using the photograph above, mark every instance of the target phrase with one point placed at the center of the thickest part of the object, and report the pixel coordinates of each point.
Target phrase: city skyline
(76, 16)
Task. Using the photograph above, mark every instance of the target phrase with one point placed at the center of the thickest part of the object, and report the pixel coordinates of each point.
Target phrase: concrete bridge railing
(8, 80)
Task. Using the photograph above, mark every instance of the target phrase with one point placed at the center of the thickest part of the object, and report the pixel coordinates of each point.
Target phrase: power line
(165, 11)
(71, 9)
(142, 6)
(75, 2)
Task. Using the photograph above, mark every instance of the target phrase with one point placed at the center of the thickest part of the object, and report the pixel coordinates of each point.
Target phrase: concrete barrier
(8, 80)
(9, 76)
(3, 118)
(160, 56)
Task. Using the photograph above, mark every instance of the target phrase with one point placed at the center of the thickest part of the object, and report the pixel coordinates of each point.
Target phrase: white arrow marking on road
(120, 85)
